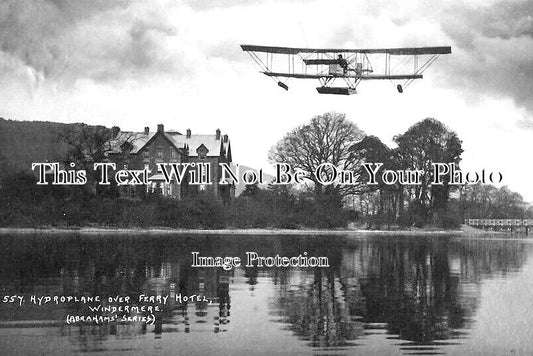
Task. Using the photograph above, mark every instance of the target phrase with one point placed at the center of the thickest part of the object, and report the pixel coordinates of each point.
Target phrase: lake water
(381, 295)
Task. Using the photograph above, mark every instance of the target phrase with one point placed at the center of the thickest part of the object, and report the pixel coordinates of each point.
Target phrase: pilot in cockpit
(343, 63)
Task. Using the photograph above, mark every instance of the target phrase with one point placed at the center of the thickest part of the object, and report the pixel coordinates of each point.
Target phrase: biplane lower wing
(351, 76)
(351, 66)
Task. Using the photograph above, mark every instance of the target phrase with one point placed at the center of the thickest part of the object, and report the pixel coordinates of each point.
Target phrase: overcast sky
(140, 63)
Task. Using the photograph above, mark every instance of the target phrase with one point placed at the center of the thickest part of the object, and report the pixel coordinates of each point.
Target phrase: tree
(251, 190)
(429, 141)
(483, 201)
(326, 139)
(6, 167)
(380, 202)
(88, 145)
(371, 150)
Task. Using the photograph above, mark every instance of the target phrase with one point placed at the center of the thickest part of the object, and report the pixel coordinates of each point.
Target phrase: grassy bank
(156, 230)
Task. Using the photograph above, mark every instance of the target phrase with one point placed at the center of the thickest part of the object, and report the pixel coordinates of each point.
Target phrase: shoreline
(263, 231)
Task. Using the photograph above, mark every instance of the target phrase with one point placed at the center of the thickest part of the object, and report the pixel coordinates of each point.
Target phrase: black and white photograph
(260, 177)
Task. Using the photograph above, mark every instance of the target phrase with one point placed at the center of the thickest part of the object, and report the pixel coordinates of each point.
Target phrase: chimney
(225, 138)
(146, 130)
(160, 128)
(188, 133)
(218, 134)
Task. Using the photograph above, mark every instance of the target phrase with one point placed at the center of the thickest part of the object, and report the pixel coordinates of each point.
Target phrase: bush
(25, 204)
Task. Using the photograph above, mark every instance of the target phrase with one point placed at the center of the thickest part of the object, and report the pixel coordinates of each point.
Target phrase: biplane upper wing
(394, 51)
(349, 65)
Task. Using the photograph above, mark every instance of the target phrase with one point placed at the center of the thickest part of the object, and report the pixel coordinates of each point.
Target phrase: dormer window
(202, 151)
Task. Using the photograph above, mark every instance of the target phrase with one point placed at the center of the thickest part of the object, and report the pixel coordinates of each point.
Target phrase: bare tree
(326, 139)
(92, 144)
(88, 145)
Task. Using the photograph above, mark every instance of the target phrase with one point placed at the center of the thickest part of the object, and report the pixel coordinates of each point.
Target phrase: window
(202, 153)
(159, 153)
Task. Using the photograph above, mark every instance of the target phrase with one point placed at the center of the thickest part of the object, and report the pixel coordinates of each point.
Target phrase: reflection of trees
(251, 277)
(316, 310)
(479, 258)
(411, 289)
(422, 290)
(411, 285)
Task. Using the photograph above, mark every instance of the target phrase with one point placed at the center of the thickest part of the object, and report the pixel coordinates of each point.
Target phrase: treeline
(444, 205)
(479, 201)
(26, 204)
(328, 138)
(283, 206)
(484, 201)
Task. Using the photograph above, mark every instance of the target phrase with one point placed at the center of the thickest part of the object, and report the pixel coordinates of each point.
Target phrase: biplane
(350, 67)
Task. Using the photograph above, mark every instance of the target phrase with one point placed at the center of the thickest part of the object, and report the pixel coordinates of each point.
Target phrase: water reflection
(321, 309)
(394, 294)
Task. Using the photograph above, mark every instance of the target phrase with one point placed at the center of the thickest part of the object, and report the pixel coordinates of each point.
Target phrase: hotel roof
(216, 144)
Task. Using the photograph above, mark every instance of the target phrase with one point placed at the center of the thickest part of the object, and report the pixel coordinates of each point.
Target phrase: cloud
(130, 50)
(211, 4)
(122, 41)
(101, 40)
(502, 19)
(493, 50)
(492, 43)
